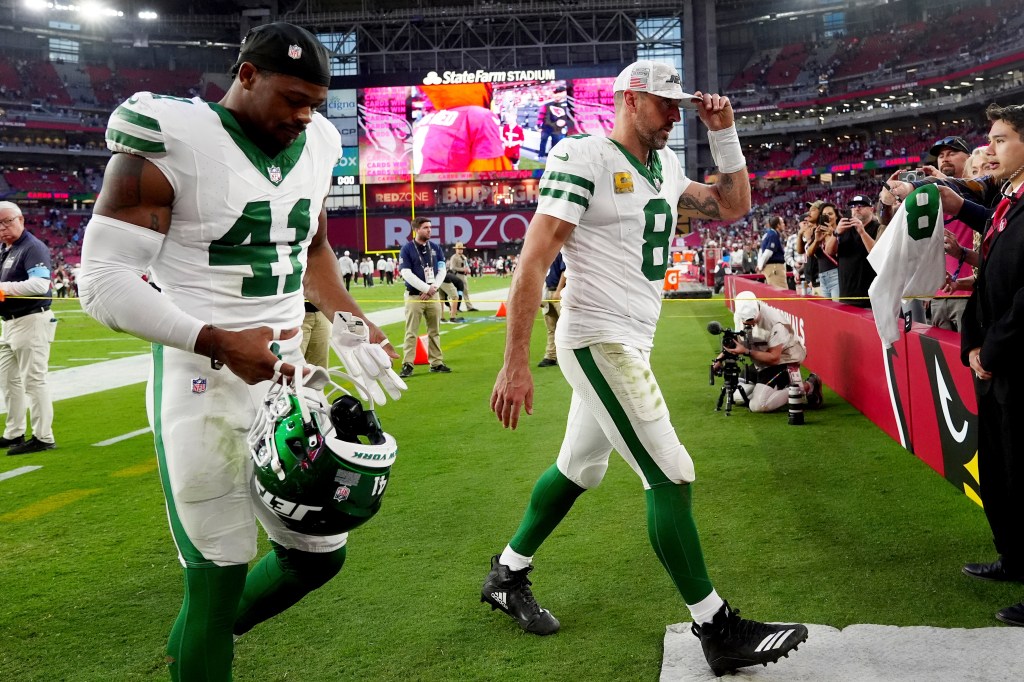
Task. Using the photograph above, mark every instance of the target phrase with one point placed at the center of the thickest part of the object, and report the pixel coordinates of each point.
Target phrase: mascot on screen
(458, 132)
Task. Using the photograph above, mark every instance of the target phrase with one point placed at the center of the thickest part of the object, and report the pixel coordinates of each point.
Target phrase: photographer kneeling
(776, 353)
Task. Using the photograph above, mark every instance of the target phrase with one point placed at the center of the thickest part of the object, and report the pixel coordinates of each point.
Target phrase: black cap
(559, 88)
(953, 142)
(805, 216)
(860, 200)
(286, 48)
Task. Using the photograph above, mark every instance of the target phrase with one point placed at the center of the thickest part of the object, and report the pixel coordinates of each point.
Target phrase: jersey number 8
(657, 230)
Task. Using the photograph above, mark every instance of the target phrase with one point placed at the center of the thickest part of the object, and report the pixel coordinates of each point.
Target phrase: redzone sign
(475, 230)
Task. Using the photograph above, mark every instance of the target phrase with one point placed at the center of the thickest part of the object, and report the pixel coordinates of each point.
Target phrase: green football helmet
(322, 460)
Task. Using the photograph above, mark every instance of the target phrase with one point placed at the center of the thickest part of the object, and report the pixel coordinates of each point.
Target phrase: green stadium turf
(831, 522)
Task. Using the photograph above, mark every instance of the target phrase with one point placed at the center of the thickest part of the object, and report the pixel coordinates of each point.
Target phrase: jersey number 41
(248, 243)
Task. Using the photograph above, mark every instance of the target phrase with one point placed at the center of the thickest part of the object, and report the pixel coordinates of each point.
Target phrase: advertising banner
(485, 230)
(918, 391)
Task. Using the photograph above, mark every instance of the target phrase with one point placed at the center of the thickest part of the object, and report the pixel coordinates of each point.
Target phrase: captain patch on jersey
(612, 198)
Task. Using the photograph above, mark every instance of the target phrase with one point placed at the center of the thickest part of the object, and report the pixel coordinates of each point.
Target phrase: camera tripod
(730, 384)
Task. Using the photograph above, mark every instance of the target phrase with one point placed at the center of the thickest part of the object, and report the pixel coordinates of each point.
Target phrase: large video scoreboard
(451, 126)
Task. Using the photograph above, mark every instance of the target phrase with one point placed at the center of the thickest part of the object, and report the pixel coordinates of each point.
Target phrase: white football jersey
(615, 259)
(241, 222)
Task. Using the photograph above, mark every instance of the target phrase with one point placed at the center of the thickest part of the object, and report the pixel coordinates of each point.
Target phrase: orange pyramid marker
(421, 351)
(501, 310)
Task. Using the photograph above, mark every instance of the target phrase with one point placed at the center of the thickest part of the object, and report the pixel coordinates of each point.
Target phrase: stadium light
(35, 5)
(93, 10)
(147, 15)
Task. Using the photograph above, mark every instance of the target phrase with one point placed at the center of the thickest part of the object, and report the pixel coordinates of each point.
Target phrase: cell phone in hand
(911, 176)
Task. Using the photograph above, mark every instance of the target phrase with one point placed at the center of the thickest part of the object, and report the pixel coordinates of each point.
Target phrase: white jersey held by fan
(908, 259)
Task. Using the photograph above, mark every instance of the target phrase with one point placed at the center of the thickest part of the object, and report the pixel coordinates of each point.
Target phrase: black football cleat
(509, 591)
(731, 642)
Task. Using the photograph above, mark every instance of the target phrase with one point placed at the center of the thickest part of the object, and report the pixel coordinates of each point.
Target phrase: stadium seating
(849, 63)
(38, 181)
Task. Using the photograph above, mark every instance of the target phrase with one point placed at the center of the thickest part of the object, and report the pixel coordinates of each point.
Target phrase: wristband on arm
(726, 150)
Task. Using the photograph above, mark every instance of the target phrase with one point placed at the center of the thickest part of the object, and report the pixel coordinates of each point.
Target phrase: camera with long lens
(728, 365)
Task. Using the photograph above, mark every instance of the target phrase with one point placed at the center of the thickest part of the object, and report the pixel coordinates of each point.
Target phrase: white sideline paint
(17, 472)
(109, 374)
(118, 439)
(95, 378)
(865, 653)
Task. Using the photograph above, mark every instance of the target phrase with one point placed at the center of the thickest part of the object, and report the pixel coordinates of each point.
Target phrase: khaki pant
(552, 309)
(451, 295)
(465, 290)
(316, 339)
(416, 310)
(24, 356)
(948, 312)
(775, 273)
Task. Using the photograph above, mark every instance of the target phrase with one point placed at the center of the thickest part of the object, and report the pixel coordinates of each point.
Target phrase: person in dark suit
(991, 339)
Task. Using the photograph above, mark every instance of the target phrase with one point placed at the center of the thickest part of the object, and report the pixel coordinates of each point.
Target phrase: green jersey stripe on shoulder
(131, 142)
(564, 195)
(569, 178)
(138, 119)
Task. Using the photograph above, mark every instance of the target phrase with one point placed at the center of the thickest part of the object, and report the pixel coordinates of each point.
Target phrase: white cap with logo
(655, 78)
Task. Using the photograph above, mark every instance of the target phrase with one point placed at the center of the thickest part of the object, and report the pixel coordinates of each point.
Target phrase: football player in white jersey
(222, 205)
(610, 205)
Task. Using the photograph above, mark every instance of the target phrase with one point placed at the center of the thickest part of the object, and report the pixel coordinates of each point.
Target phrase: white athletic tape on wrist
(726, 149)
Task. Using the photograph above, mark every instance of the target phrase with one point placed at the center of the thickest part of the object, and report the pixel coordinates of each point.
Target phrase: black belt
(23, 313)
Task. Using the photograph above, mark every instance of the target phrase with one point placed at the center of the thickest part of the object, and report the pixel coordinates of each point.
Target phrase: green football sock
(675, 540)
(280, 580)
(552, 498)
(200, 647)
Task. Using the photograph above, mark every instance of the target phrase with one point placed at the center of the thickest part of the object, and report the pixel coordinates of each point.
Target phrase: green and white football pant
(616, 403)
(200, 418)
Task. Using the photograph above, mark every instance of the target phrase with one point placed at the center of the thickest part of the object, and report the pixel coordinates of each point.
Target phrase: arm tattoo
(726, 187)
(125, 181)
(134, 194)
(709, 207)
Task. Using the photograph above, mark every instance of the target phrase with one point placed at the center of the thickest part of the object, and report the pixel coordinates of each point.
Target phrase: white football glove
(365, 362)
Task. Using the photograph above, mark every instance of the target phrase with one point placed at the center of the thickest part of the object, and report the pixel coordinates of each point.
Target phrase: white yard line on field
(17, 472)
(123, 436)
